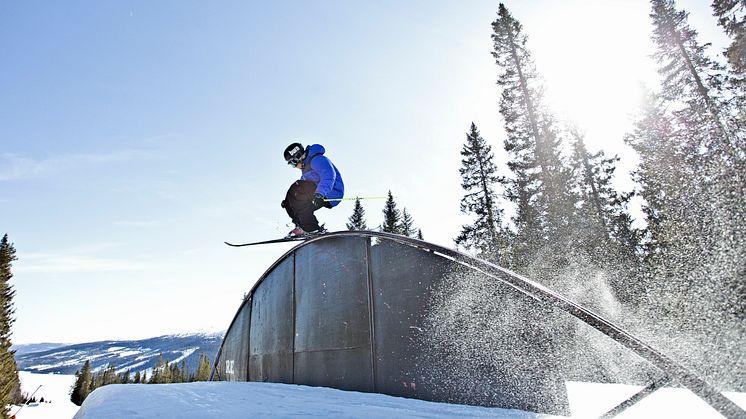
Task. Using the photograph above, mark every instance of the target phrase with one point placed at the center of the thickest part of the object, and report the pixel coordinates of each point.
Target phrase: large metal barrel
(359, 313)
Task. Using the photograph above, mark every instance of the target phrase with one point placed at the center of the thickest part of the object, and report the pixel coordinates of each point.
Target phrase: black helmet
(294, 153)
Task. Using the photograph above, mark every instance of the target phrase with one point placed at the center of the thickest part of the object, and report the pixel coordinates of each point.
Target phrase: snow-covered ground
(221, 400)
(55, 389)
(226, 400)
(269, 400)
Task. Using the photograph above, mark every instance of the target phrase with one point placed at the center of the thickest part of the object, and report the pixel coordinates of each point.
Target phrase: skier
(320, 185)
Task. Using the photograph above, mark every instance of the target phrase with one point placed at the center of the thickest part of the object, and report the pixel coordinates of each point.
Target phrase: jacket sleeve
(327, 174)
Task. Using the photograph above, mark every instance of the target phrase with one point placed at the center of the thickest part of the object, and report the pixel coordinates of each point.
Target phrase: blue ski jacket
(318, 169)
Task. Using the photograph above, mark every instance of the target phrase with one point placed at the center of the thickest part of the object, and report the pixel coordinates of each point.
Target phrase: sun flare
(596, 70)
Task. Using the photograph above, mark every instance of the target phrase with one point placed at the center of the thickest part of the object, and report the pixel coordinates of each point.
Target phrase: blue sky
(137, 136)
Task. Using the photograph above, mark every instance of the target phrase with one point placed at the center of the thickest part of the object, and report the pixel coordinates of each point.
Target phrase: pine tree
(125, 377)
(693, 83)
(176, 374)
(732, 17)
(82, 387)
(660, 175)
(713, 144)
(593, 176)
(479, 179)
(691, 175)
(156, 377)
(522, 126)
(183, 372)
(539, 185)
(203, 369)
(672, 207)
(109, 376)
(602, 226)
(162, 373)
(95, 382)
(357, 219)
(391, 216)
(165, 372)
(406, 226)
(9, 382)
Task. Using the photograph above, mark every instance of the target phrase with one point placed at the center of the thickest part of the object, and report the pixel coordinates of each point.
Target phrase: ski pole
(356, 198)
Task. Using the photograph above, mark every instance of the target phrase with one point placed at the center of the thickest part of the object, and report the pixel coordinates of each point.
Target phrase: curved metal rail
(672, 370)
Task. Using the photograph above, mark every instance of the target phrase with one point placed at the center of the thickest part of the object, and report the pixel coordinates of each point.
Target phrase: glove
(318, 200)
(283, 204)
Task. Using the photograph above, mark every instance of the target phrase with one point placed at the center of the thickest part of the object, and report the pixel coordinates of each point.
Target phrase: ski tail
(283, 240)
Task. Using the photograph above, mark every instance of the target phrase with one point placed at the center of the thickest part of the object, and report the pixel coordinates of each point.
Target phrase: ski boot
(315, 233)
(296, 233)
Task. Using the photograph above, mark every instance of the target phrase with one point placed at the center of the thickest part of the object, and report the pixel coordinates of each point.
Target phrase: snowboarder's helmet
(294, 153)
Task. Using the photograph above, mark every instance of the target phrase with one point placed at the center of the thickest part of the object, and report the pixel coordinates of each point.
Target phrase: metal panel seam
(248, 338)
(371, 314)
(295, 333)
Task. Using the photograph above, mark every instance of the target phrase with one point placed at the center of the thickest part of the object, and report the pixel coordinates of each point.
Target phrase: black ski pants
(299, 205)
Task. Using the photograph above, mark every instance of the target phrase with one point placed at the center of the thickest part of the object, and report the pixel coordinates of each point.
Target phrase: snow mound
(223, 400)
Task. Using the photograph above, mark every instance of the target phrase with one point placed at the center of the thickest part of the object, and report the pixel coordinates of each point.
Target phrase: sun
(594, 69)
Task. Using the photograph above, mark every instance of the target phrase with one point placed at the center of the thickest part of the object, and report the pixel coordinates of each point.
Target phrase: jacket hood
(314, 150)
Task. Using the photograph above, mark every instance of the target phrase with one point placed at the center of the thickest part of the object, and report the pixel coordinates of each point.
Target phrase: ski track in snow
(184, 354)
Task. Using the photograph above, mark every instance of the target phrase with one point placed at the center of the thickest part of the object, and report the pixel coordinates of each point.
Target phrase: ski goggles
(293, 162)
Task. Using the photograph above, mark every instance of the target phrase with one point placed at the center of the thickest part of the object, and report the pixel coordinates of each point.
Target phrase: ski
(283, 240)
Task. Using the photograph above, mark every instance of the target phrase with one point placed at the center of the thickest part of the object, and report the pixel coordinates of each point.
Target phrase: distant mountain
(26, 348)
(135, 355)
